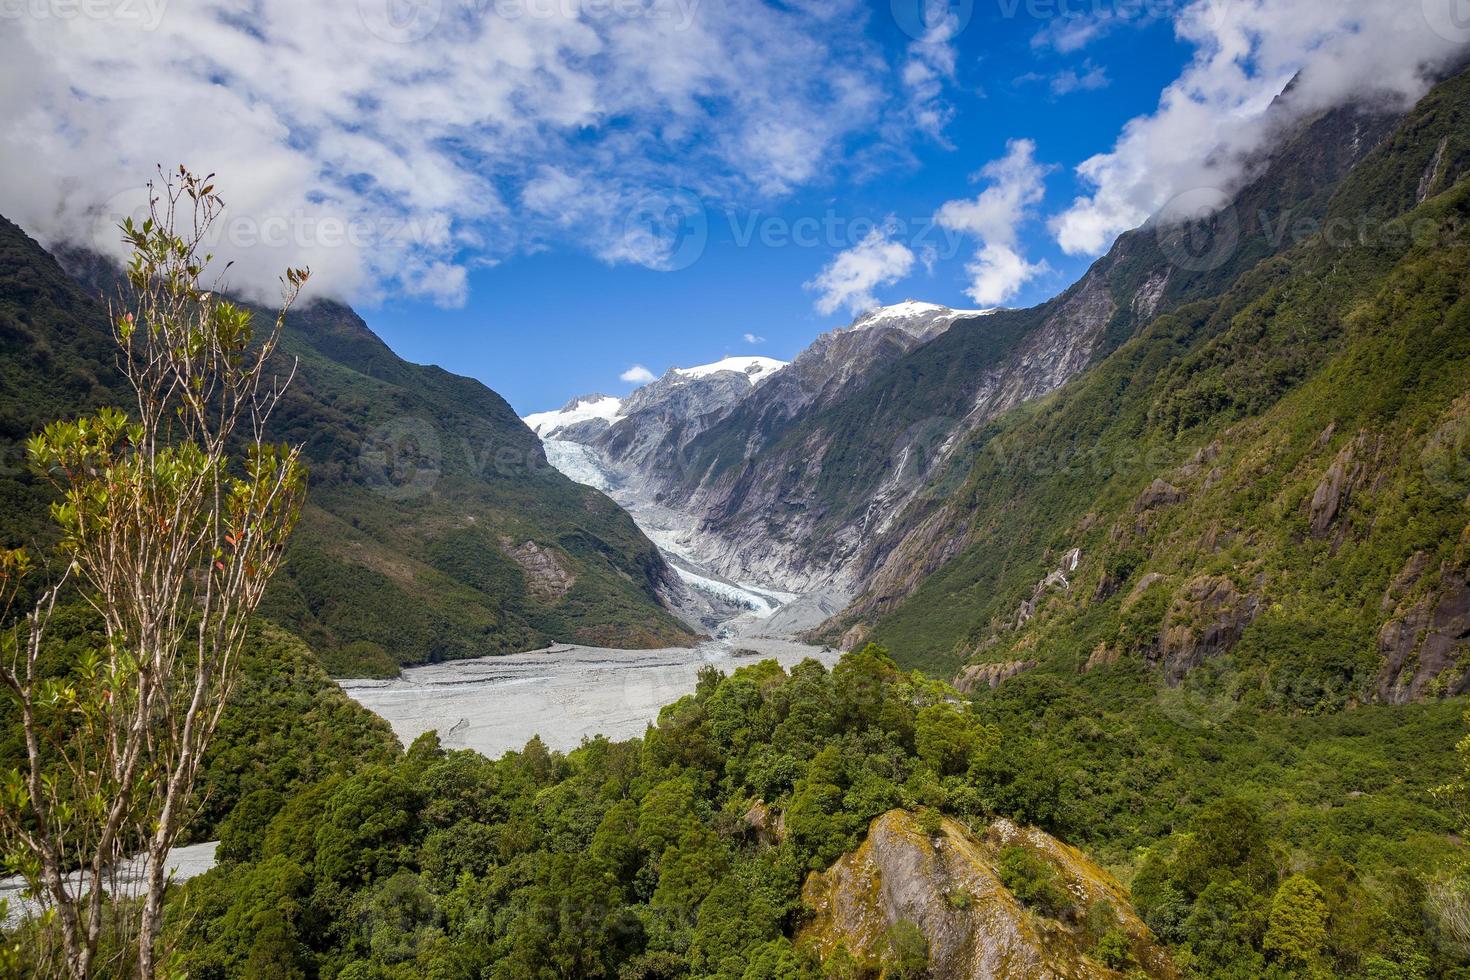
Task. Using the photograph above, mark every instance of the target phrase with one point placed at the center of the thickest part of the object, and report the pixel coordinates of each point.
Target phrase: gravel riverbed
(564, 693)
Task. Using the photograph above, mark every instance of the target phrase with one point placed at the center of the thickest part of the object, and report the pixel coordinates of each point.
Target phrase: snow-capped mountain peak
(583, 408)
(914, 317)
(756, 369)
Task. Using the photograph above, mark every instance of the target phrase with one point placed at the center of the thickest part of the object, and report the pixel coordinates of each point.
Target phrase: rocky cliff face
(675, 450)
(795, 486)
(1243, 493)
(836, 476)
(645, 443)
(950, 885)
(1147, 274)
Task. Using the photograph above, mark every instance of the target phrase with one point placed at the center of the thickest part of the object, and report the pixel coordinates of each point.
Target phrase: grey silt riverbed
(564, 693)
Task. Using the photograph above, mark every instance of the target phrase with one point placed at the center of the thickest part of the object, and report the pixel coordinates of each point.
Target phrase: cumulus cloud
(930, 67)
(1087, 78)
(637, 375)
(390, 146)
(1016, 185)
(751, 338)
(849, 279)
(1212, 122)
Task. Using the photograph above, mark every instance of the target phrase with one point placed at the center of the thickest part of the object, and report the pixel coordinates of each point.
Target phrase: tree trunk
(152, 913)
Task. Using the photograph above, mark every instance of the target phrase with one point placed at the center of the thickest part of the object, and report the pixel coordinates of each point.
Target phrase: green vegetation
(425, 489)
(1032, 881)
(423, 485)
(170, 522)
(1273, 475)
(1229, 701)
(662, 857)
(633, 859)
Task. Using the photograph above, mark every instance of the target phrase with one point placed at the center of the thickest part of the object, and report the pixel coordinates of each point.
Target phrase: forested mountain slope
(434, 528)
(815, 493)
(1270, 485)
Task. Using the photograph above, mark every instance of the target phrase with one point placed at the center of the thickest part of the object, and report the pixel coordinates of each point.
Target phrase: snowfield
(582, 409)
(755, 369)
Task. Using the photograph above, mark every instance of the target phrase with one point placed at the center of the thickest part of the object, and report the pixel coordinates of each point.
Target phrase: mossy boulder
(951, 887)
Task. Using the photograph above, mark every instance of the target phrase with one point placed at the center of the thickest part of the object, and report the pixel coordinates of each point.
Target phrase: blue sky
(540, 329)
(545, 193)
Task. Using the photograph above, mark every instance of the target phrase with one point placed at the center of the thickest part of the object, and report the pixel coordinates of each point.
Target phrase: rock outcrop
(1056, 580)
(976, 676)
(1330, 498)
(546, 576)
(949, 886)
(1160, 493)
(1426, 650)
(1208, 617)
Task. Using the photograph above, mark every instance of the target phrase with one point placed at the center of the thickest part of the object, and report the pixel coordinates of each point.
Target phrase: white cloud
(638, 375)
(998, 272)
(1074, 31)
(1016, 186)
(751, 338)
(1087, 78)
(1211, 122)
(849, 279)
(393, 165)
(930, 66)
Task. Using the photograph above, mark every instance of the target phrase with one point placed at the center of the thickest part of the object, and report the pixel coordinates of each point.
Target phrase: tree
(1033, 881)
(907, 956)
(172, 522)
(1297, 930)
(949, 738)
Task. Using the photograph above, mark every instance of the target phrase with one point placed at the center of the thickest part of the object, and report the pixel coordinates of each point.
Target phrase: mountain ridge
(434, 527)
(1297, 417)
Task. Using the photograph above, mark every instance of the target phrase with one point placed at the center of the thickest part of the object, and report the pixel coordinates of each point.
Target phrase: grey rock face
(1424, 648)
(947, 884)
